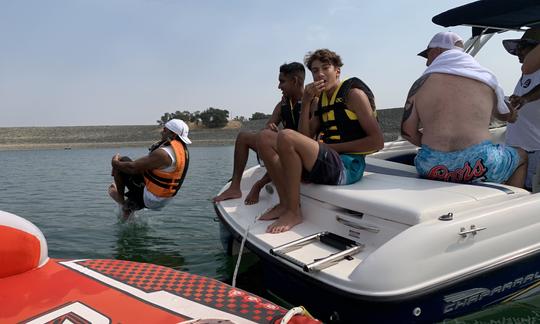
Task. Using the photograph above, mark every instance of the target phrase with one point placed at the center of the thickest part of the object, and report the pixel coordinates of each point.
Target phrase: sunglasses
(525, 44)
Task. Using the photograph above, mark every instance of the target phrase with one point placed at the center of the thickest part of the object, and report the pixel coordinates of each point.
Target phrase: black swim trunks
(135, 188)
(327, 168)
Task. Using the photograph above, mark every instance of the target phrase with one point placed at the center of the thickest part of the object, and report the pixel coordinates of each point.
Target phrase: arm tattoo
(409, 104)
(407, 110)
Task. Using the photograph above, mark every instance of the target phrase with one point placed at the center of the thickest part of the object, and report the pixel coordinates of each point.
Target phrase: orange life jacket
(166, 184)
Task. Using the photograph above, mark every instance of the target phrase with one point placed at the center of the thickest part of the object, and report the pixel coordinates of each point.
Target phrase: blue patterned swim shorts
(353, 168)
(481, 162)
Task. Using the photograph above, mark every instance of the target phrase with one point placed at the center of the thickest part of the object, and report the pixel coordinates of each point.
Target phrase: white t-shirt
(152, 201)
(525, 132)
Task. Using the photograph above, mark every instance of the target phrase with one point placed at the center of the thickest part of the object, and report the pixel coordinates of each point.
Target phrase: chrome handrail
(321, 263)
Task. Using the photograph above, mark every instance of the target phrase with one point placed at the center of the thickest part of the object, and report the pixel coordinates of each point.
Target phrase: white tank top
(169, 151)
(152, 201)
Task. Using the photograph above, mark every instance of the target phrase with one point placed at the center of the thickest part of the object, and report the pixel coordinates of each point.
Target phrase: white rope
(235, 274)
(300, 310)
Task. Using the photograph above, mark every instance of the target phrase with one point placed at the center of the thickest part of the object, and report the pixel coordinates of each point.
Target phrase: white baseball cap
(179, 128)
(446, 40)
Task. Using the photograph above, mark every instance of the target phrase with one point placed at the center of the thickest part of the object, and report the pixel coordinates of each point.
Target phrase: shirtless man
(455, 112)
(345, 113)
(287, 111)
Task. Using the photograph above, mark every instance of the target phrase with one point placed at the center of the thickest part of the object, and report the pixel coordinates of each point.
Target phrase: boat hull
(469, 295)
(508, 281)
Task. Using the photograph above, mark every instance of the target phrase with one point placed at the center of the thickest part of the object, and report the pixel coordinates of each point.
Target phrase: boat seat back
(22, 245)
(536, 180)
(394, 191)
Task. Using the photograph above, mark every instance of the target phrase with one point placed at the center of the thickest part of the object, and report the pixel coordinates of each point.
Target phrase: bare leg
(113, 192)
(244, 142)
(296, 151)
(267, 148)
(518, 177)
(117, 188)
(117, 191)
(253, 195)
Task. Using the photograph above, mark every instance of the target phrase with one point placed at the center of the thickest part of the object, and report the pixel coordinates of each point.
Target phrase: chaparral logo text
(468, 297)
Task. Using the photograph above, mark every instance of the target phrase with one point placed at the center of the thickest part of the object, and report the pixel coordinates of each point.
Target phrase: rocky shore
(30, 138)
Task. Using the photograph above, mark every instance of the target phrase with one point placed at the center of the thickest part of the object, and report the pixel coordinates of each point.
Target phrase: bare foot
(126, 213)
(229, 193)
(114, 194)
(285, 222)
(273, 212)
(253, 196)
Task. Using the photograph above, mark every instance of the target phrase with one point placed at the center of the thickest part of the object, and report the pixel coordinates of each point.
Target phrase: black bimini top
(496, 15)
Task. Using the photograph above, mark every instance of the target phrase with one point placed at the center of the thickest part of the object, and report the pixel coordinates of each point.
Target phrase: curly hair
(325, 56)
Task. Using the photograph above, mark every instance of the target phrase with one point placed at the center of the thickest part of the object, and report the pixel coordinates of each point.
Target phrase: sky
(127, 62)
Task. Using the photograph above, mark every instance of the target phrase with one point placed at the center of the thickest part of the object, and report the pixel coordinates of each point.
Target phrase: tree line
(210, 118)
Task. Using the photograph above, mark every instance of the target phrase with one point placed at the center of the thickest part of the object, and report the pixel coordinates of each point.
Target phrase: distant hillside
(142, 135)
(78, 134)
(389, 119)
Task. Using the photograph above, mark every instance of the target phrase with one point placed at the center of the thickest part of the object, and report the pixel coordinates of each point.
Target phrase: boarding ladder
(346, 249)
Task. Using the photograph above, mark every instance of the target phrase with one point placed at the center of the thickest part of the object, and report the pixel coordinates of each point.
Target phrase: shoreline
(86, 137)
(70, 146)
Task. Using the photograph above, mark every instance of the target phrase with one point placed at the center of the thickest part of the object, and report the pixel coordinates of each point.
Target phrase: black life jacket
(290, 117)
(338, 123)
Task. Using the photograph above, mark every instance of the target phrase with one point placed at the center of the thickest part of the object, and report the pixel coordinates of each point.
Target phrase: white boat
(397, 248)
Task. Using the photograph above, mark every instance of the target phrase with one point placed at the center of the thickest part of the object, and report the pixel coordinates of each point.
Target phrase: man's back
(455, 111)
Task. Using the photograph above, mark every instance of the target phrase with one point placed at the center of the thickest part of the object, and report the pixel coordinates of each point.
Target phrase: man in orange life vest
(153, 180)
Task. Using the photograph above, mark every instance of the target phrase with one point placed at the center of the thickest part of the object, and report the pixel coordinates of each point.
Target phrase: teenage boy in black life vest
(287, 111)
(346, 119)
